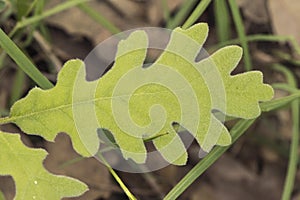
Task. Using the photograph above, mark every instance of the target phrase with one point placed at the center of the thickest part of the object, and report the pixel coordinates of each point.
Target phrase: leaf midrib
(65, 106)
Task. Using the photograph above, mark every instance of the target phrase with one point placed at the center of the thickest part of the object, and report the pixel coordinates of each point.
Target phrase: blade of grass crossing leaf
(23, 62)
(183, 12)
(59, 8)
(236, 132)
(17, 87)
(71, 162)
(241, 32)
(278, 103)
(293, 158)
(99, 18)
(222, 20)
(201, 7)
(205, 163)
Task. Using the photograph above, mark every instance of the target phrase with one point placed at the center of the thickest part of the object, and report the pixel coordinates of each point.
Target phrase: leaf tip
(197, 32)
(135, 41)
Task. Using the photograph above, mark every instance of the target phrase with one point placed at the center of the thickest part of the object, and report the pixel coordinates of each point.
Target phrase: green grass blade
(274, 38)
(241, 33)
(262, 38)
(279, 103)
(286, 57)
(184, 11)
(24, 7)
(286, 87)
(99, 18)
(287, 73)
(206, 162)
(236, 132)
(166, 10)
(293, 158)
(59, 8)
(222, 20)
(23, 62)
(295, 44)
(37, 10)
(201, 7)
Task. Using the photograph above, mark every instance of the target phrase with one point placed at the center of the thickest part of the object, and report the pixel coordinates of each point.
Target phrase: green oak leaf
(32, 180)
(137, 104)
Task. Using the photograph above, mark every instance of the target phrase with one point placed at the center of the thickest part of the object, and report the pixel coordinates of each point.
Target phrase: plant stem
(30, 8)
(166, 10)
(293, 161)
(99, 18)
(279, 103)
(241, 32)
(238, 130)
(117, 178)
(222, 20)
(47, 13)
(286, 87)
(23, 62)
(5, 120)
(293, 158)
(196, 13)
(181, 14)
(206, 162)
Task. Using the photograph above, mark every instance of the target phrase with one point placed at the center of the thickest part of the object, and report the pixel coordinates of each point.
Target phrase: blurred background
(254, 167)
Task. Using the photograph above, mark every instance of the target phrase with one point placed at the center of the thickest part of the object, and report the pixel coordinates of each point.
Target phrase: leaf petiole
(117, 178)
(5, 120)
